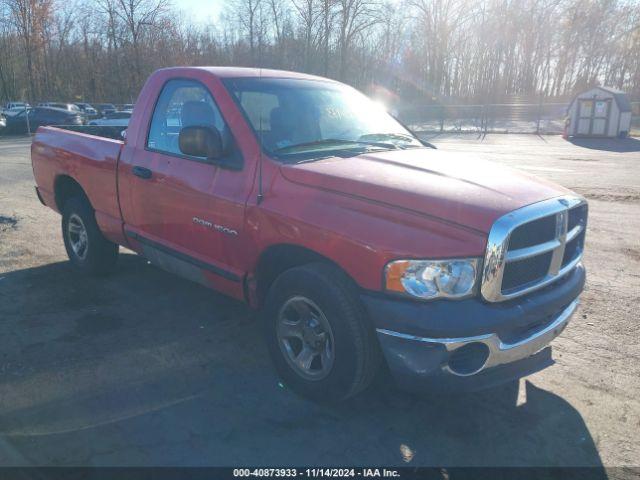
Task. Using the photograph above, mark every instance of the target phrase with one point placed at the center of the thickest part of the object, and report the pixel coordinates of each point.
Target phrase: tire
(349, 357)
(99, 255)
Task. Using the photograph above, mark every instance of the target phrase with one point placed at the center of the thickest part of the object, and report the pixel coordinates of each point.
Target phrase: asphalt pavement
(145, 368)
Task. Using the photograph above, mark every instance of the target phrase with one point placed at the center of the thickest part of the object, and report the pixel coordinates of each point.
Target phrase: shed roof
(621, 98)
(612, 90)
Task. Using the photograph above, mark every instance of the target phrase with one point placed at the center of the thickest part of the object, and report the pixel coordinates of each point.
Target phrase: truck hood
(450, 186)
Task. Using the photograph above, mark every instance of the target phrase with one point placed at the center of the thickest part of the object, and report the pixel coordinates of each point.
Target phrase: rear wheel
(86, 247)
(318, 334)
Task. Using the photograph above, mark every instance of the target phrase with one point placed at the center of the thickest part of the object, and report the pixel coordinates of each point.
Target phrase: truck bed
(87, 155)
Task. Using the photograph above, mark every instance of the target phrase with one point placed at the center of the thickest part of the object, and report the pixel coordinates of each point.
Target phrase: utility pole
(26, 116)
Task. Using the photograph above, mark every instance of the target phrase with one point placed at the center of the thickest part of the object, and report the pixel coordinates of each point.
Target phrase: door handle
(142, 172)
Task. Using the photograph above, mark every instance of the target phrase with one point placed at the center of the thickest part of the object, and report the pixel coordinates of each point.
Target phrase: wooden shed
(600, 112)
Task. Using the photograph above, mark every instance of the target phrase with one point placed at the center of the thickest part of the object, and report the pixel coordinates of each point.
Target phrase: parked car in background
(72, 107)
(11, 108)
(115, 119)
(41, 116)
(3, 123)
(105, 108)
(125, 107)
(88, 110)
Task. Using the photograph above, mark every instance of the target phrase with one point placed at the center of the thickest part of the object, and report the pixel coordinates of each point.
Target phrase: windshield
(294, 117)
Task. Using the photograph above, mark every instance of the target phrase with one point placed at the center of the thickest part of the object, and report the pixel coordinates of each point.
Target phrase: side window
(183, 103)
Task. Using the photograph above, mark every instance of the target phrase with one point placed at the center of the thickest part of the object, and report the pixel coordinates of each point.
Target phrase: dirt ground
(144, 368)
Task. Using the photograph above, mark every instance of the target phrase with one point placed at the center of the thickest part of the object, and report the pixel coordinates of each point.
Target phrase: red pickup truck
(362, 247)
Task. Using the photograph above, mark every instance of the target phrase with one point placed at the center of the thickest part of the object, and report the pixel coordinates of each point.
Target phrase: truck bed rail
(106, 131)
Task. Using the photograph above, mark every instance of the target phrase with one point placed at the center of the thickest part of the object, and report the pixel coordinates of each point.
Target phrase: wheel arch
(278, 258)
(66, 187)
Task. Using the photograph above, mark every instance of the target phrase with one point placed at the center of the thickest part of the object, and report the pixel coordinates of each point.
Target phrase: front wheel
(86, 247)
(318, 334)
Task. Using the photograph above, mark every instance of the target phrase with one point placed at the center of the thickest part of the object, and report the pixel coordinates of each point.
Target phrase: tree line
(415, 50)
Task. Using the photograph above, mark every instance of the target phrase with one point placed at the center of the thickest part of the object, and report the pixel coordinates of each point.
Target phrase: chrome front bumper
(499, 352)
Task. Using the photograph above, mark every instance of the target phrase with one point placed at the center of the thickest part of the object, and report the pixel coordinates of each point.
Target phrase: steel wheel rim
(305, 338)
(77, 235)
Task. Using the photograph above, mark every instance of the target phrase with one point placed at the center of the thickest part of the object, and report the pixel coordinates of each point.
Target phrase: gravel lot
(143, 368)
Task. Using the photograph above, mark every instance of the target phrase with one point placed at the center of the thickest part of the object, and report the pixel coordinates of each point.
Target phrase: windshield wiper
(395, 136)
(338, 141)
(402, 136)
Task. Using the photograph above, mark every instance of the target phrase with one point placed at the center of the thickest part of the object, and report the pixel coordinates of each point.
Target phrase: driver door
(175, 206)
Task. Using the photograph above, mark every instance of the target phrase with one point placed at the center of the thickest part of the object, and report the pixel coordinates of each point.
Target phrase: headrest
(197, 113)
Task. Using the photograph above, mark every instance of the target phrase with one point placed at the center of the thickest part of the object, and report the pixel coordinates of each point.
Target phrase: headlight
(431, 279)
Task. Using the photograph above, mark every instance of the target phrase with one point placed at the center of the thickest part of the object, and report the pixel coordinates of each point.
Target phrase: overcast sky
(201, 10)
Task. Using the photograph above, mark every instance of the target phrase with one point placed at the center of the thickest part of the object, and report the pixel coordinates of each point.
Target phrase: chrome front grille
(524, 272)
(533, 246)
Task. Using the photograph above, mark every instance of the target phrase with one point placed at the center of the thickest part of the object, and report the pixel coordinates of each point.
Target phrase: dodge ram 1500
(360, 245)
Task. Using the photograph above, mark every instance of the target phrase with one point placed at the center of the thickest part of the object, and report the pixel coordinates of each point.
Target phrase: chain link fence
(540, 118)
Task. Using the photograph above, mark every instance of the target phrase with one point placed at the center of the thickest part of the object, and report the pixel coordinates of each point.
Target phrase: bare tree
(247, 13)
(309, 15)
(29, 17)
(138, 16)
(328, 16)
(418, 50)
(355, 18)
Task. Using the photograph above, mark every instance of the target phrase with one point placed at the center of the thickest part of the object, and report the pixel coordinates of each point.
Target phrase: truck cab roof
(239, 72)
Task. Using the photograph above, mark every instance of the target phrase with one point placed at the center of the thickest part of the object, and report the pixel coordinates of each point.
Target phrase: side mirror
(201, 141)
